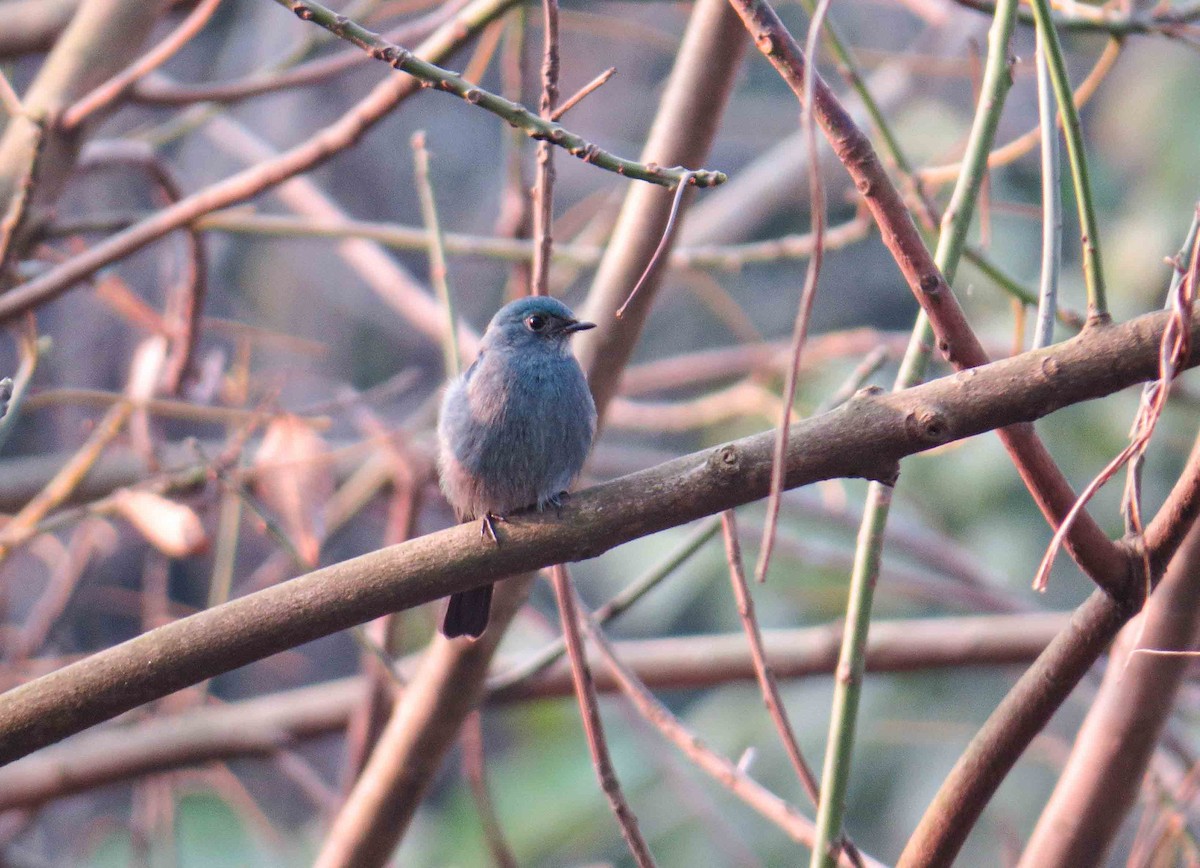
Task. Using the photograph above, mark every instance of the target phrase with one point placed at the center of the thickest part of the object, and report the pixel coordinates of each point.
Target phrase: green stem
(955, 222)
(438, 273)
(1043, 332)
(1090, 234)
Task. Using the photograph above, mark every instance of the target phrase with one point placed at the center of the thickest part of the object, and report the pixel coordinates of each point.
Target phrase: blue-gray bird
(514, 429)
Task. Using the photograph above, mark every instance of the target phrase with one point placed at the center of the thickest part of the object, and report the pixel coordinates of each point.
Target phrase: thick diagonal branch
(864, 438)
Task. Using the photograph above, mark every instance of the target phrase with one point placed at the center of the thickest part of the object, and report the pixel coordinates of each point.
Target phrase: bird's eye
(536, 323)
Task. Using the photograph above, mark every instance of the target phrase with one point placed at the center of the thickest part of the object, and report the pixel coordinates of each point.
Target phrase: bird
(513, 431)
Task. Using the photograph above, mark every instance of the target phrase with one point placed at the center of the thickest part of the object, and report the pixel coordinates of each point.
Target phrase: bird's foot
(557, 500)
(487, 529)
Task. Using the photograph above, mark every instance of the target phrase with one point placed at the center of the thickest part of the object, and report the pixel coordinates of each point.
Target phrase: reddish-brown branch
(593, 727)
(475, 769)
(543, 189)
(117, 86)
(758, 654)
(1102, 778)
(264, 725)
(1087, 543)
(1022, 714)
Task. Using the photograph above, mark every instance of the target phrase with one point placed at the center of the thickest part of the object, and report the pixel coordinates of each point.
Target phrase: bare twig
(251, 181)
(161, 91)
(1176, 346)
(664, 242)
(766, 678)
(543, 187)
(583, 92)
(117, 86)
(438, 272)
(808, 295)
(475, 768)
(22, 527)
(443, 80)
(729, 775)
(585, 693)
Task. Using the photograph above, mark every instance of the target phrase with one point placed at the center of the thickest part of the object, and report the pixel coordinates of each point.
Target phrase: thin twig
(1093, 274)
(543, 188)
(158, 90)
(762, 669)
(1012, 151)
(446, 81)
(1043, 333)
(585, 692)
(269, 172)
(117, 86)
(807, 296)
(579, 95)
(475, 768)
(618, 605)
(438, 272)
(663, 242)
(863, 371)
(23, 526)
(1175, 347)
(725, 772)
(725, 257)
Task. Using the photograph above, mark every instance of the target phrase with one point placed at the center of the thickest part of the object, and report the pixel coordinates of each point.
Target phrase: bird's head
(533, 322)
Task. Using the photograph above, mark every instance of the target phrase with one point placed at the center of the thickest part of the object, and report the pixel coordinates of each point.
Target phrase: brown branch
(543, 188)
(1087, 543)
(1176, 516)
(865, 437)
(593, 727)
(1023, 713)
(444, 689)
(1104, 775)
(267, 724)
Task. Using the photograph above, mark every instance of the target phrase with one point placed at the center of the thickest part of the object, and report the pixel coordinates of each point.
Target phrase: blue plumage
(514, 429)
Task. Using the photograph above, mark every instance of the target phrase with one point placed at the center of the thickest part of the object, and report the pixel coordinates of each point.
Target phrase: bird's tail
(467, 613)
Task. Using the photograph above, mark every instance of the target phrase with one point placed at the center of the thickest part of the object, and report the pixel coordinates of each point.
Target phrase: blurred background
(306, 371)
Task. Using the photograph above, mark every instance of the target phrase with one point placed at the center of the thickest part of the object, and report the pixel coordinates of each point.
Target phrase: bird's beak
(577, 326)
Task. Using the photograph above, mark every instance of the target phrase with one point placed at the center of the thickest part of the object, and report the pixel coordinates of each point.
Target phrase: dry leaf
(292, 476)
(172, 528)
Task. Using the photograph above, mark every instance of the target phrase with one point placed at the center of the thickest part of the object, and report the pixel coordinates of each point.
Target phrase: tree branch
(864, 438)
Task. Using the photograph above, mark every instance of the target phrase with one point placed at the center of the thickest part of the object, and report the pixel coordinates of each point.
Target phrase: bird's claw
(556, 500)
(487, 529)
